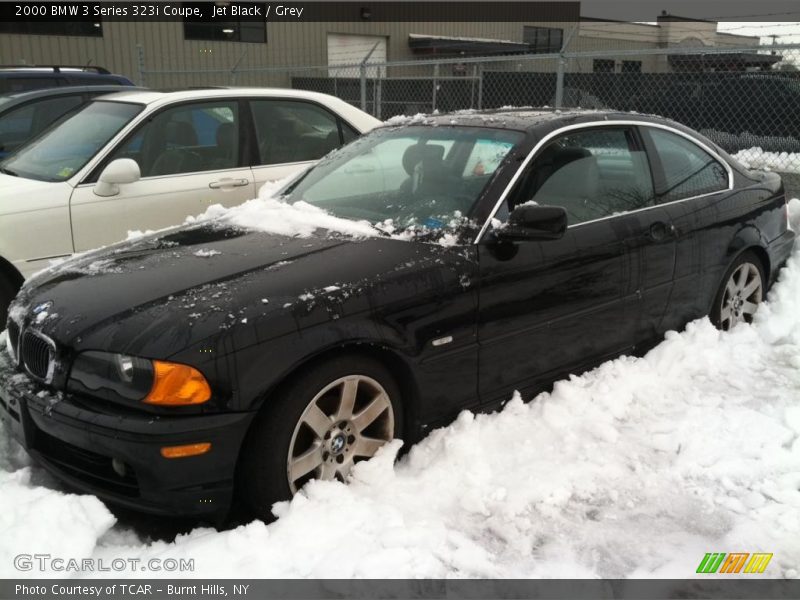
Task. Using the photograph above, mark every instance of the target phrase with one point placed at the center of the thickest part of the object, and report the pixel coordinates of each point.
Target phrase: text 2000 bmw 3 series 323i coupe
(499, 251)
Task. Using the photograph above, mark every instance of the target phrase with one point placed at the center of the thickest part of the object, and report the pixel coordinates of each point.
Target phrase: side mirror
(530, 222)
(122, 170)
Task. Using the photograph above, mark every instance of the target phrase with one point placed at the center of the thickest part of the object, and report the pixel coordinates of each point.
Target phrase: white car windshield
(414, 175)
(69, 144)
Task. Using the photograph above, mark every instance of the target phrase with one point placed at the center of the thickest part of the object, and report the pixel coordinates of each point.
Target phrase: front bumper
(77, 444)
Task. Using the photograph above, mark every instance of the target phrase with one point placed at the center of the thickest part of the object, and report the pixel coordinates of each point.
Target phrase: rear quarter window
(687, 169)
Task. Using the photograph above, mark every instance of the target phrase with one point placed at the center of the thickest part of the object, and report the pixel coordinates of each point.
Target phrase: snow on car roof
(507, 117)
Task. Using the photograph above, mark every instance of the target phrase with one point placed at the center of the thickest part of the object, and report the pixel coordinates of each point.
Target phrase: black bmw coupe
(176, 371)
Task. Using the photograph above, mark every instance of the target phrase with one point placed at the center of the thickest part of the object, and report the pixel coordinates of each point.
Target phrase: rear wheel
(742, 290)
(321, 424)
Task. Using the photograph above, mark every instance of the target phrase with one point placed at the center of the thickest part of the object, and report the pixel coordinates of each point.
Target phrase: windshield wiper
(8, 172)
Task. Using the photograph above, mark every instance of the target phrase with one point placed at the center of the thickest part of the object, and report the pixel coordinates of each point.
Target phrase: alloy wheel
(347, 421)
(743, 293)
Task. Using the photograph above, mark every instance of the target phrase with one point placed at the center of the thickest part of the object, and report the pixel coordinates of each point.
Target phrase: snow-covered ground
(635, 469)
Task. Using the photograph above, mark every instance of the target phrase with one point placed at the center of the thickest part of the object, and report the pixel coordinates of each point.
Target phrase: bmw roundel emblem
(337, 444)
(42, 307)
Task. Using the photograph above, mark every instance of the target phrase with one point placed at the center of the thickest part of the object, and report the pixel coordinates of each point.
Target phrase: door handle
(228, 182)
(659, 231)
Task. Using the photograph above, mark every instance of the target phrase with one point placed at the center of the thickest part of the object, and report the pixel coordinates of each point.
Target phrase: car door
(688, 178)
(190, 157)
(291, 135)
(551, 306)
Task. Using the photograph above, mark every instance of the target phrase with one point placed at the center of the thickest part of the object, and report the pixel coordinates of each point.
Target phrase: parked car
(141, 160)
(24, 115)
(21, 78)
(169, 372)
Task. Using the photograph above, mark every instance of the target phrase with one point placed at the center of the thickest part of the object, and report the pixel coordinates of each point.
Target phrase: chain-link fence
(747, 100)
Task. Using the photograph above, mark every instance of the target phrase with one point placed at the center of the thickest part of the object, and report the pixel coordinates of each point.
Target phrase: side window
(592, 174)
(688, 169)
(186, 139)
(289, 131)
(348, 133)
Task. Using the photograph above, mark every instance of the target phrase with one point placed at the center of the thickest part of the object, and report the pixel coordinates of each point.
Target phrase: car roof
(10, 99)
(521, 119)
(160, 97)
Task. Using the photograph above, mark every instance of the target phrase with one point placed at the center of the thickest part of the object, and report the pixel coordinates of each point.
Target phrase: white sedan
(143, 160)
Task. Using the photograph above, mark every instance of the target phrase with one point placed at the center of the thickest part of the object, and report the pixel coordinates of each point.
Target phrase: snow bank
(635, 469)
(782, 162)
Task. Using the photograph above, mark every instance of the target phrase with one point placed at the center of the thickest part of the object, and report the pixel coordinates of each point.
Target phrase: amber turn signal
(177, 385)
(185, 450)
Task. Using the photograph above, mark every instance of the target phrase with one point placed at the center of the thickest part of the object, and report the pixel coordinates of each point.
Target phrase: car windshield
(67, 146)
(409, 176)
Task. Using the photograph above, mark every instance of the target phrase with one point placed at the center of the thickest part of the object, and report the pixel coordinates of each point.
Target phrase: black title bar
(390, 11)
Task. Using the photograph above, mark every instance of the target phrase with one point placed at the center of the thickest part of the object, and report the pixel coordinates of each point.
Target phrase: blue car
(22, 78)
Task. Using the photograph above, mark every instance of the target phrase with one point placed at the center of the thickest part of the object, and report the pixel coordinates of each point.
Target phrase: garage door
(352, 49)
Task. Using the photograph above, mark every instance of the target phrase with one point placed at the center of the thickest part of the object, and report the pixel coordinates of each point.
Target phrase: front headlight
(130, 379)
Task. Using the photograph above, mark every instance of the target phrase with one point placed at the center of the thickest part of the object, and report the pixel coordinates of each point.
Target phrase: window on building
(543, 40)
(75, 28)
(631, 66)
(603, 65)
(226, 31)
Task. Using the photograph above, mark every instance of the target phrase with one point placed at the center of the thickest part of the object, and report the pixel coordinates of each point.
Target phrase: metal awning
(442, 44)
(733, 61)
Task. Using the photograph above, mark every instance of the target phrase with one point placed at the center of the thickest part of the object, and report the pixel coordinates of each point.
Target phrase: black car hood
(156, 295)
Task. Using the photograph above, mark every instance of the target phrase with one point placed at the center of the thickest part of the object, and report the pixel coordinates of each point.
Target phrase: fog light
(185, 450)
(119, 467)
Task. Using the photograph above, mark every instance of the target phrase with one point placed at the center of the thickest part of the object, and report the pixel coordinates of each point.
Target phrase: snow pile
(399, 120)
(635, 469)
(756, 158)
(270, 215)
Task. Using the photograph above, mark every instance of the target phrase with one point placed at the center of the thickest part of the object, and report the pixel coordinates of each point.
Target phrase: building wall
(163, 47)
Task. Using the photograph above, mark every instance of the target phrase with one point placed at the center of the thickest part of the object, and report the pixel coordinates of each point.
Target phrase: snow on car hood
(635, 469)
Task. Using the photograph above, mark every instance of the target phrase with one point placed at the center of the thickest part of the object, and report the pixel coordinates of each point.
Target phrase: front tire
(742, 289)
(324, 421)
(8, 290)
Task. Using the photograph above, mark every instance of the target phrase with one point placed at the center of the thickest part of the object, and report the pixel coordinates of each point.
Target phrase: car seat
(225, 152)
(177, 156)
(573, 185)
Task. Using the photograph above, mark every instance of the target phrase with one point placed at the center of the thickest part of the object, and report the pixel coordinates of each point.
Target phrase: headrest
(226, 135)
(181, 133)
(429, 156)
(577, 179)
(564, 156)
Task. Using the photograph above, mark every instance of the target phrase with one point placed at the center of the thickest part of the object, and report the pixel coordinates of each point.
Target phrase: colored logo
(734, 562)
